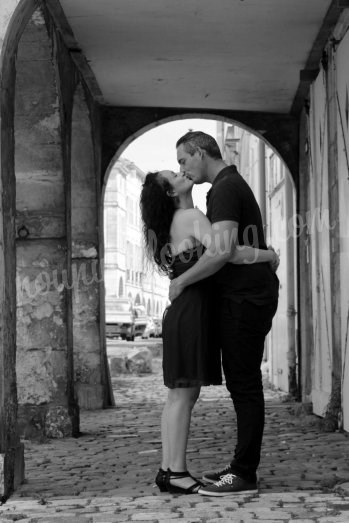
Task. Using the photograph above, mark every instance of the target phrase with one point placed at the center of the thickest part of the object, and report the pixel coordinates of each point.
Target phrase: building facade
(128, 272)
(272, 185)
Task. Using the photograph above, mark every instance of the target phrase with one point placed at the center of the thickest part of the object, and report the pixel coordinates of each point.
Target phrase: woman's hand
(275, 261)
(176, 288)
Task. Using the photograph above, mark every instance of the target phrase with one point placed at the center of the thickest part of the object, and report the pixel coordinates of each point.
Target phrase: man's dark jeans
(243, 328)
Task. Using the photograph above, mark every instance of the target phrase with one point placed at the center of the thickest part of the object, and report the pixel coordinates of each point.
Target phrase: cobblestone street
(107, 474)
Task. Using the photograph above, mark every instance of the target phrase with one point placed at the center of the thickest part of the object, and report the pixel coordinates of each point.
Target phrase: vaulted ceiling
(213, 54)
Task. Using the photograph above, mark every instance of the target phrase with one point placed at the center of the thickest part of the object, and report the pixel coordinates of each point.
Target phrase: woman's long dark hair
(157, 210)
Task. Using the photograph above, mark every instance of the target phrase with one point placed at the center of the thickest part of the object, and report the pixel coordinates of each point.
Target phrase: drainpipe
(262, 198)
(290, 286)
(262, 192)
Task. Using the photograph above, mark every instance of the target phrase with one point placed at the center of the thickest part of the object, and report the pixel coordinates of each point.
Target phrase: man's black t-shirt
(231, 198)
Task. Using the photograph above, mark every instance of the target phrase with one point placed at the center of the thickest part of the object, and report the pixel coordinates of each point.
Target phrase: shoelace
(226, 479)
(224, 471)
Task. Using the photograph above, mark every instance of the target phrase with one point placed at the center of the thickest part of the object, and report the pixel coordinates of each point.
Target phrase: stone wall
(11, 450)
(86, 269)
(55, 348)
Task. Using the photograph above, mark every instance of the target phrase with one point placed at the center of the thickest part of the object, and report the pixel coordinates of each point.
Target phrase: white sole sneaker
(222, 494)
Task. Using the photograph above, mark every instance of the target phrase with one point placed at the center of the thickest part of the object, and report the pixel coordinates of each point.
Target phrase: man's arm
(245, 255)
(218, 252)
(198, 226)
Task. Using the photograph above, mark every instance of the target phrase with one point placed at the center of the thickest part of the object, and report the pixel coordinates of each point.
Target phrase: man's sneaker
(213, 477)
(229, 484)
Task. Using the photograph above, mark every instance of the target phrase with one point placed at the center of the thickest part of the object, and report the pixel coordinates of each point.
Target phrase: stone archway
(44, 354)
(39, 75)
(11, 450)
(284, 191)
(91, 374)
(122, 125)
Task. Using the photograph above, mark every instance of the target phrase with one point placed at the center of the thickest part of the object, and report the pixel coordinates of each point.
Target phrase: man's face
(180, 184)
(191, 166)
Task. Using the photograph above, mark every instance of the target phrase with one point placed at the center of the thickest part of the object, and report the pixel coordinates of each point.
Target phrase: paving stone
(342, 518)
(116, 518)
(343, 487)
(220, 504)
(185, 520)
(63, 518)
(197, 512)
(107, 475)
(272, 514)
(154, 516)
(245, 519)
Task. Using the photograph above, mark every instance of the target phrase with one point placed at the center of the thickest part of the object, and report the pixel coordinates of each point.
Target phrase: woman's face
(179, 183)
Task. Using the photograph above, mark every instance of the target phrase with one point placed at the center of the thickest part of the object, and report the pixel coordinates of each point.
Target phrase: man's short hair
(194, 139)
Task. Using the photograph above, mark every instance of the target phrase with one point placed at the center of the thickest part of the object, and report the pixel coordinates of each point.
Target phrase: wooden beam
(326, 30)
(342, 3)
(308, 75)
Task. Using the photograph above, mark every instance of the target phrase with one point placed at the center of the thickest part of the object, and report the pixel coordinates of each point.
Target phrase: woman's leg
(164, 439)
(177, 414)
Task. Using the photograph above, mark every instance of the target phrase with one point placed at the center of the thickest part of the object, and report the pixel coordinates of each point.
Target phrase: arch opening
(265, 171)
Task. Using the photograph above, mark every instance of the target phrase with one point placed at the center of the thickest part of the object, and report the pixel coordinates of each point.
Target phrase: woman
(175, 234)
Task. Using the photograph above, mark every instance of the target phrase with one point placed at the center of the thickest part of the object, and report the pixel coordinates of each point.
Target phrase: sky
(156, 150)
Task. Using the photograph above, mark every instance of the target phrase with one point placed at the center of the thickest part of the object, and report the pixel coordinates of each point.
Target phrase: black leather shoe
(176, 489)
(160, 480)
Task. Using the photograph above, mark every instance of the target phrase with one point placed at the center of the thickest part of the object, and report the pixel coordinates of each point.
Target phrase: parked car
(153, 328)
(158, 327)
(149, 331)
(119, 319)
(140, 319)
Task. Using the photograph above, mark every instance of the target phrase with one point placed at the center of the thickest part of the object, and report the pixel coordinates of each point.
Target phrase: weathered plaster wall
(321, 246)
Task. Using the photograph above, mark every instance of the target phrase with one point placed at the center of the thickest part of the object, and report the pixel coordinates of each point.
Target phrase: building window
(130, 206)
(121, 288)
(111, 227)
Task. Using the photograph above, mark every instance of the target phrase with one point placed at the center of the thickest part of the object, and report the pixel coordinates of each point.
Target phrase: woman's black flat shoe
(160, 480)
(176, 489)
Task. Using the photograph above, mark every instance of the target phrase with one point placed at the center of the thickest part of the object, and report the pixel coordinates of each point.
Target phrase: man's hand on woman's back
(274, 264)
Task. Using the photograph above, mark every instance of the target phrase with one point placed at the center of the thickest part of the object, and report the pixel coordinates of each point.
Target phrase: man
(247, 299)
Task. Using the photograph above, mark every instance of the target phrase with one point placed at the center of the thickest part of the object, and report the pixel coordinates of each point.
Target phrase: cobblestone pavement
(107, 474)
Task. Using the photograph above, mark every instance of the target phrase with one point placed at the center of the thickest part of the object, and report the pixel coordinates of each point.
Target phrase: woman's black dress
(191, 355)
